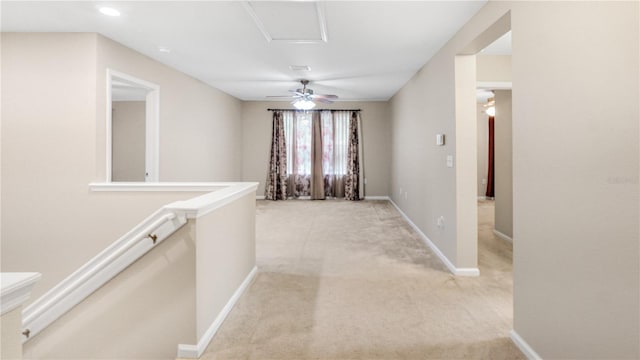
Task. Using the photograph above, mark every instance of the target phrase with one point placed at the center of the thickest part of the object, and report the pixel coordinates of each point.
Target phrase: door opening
(132, 129)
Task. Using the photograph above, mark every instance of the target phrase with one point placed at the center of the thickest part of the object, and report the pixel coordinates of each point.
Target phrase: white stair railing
(99, 270)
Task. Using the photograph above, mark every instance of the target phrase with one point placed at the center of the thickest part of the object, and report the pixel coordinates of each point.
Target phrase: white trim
(524, 347)
(122, 253)
(99, 270)
(159, 186)
(494, 85)
(195, 351)
(482, 198)
(503, 236)
(467, 272)
(322, 20)
(377, 198)
(322, 23)
(260, 197)
(204, 204)
(15, 289)
(454, 270)
(256, 19)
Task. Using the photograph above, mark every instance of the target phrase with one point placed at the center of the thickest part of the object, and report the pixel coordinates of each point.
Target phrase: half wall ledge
(160, 186)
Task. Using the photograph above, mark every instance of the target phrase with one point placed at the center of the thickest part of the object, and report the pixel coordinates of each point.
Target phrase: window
(335, 141)
(321, 151)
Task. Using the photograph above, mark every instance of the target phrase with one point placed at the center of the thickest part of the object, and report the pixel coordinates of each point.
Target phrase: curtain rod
(314, 110)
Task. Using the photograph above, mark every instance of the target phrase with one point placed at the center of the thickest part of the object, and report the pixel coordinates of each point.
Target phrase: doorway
(132, 129)
(495, 190)
(466, 139)
(493, 255)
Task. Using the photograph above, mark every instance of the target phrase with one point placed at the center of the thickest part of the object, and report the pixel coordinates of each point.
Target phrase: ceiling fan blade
(324, 96)
(328, 99)
(282, 96)
(323, 100)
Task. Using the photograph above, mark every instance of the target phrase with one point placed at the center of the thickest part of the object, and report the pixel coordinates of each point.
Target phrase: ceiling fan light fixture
(109, 11)
(303, 104)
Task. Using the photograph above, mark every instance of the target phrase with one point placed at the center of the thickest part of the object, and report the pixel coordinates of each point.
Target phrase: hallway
(352, 280)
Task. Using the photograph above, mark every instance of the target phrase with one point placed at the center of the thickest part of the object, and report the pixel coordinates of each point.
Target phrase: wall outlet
(365, 181)
(400, 191)
(484, 181)
(405, 195)
(440, 222)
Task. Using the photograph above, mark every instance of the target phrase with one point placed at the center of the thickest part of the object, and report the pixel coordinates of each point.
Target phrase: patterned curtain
(323, 152)
(276, 187)
(352, 180)
(317, 154)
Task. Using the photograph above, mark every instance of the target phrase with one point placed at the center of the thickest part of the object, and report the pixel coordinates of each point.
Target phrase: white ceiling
(358, 50)
(502, 46)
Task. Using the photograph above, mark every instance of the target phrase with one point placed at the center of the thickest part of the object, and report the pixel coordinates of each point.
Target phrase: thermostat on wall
(440, 139)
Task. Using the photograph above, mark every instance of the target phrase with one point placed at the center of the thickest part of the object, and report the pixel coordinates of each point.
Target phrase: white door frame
(152, 126)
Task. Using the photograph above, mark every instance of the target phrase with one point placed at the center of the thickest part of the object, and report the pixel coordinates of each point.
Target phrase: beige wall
(128, 139)
(493, 68)
(51, 129)
(560, 154)
(503, 164)
(375, 131)
(465, 164)
(11, 334)
(575, 196)
(421, 183)
(200, 127)
(170, 296)
(143, 313)
(226, 255)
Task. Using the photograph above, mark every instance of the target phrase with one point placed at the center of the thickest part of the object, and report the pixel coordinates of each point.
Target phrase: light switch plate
(440, 139)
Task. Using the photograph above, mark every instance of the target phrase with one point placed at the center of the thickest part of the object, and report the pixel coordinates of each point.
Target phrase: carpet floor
(352, 280)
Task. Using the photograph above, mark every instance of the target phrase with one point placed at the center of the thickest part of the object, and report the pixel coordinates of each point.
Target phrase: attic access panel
(299, 22)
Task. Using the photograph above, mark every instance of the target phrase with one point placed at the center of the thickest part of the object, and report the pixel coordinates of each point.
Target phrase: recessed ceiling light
(109, 11)
(300, 67)
(164, 49)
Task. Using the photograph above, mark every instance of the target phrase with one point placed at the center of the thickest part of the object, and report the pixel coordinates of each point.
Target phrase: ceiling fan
(304, 98)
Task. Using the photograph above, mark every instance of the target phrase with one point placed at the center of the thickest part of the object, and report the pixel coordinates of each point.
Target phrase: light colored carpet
(352, 280)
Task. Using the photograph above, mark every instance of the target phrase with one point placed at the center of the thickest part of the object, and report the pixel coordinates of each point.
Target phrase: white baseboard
(454, 270)
(259, 197)
(466, 271)
(195, 351)
(524, 347)
(377, 198)
(503, 236)
(482, 198)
